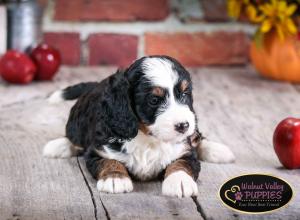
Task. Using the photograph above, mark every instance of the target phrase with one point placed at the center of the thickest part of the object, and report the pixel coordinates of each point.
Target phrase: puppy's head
(161, 98)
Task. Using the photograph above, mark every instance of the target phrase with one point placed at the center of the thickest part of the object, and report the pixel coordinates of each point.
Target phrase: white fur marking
(179, 184)
(59, 148)
(115, 185)
(164, 126)
(56, 97)
(215, 152)
(160, 72)
(146, 156)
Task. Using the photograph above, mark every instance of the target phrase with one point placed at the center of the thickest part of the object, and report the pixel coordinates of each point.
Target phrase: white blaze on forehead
(160, 71)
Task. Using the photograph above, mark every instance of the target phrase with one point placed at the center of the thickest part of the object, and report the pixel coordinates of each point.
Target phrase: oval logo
(255, 193)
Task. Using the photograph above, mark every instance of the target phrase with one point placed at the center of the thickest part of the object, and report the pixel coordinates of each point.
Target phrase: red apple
(47, 60)
(16, 67)
(286, 141)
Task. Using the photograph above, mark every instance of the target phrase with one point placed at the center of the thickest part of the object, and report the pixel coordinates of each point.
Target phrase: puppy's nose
(182, 127)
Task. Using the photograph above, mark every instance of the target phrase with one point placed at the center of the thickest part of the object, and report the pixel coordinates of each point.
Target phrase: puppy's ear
(135, 71)
(115, 109)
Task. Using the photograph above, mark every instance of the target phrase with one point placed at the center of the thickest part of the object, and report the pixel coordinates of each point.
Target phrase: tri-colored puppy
(138, 123)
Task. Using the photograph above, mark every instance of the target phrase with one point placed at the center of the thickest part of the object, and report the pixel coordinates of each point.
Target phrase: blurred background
(116, 32)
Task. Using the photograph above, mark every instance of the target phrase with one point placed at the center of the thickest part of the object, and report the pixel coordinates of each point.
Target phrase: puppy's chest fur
(144, 156)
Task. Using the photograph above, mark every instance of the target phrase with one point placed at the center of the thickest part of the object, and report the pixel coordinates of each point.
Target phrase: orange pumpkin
(276, 58)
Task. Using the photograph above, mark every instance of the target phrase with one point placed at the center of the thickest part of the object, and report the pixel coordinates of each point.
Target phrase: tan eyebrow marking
(158, 91)
(184, 85)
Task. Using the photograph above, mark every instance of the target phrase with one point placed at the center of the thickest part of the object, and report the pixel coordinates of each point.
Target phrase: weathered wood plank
(11, 93)
(233, 106)
(32, 187)
(44, 122)
(241, 110)
(145, 202)
(36, 188)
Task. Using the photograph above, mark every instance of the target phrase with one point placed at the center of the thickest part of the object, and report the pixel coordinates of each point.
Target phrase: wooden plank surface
(234, 106)
(34, 122)
(32, 187)
(145, 202)
(240, 109)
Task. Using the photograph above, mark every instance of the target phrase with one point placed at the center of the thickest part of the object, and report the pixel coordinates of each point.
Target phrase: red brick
(215, 10)
(112, 49)
(67, 43)
(111, 10)
(42, 3)
(195, 49)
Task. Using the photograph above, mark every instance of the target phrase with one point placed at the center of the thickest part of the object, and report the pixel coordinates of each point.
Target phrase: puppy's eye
(184, 95)
(153, 100)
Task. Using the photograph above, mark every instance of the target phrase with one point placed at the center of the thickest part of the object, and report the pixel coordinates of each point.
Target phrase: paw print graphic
(238, 196)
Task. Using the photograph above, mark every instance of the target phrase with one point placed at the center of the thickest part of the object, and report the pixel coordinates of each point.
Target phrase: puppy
(137, 124)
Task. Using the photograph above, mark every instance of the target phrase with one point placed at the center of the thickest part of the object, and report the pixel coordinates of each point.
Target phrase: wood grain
(241, 110)
(145, 202)
(234, 106)
(32, 187)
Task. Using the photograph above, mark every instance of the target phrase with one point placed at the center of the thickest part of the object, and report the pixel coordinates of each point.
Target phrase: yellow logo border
(255, 213)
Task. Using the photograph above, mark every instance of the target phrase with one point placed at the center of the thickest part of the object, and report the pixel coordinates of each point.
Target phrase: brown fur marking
(184, 85)
(143, 127)
(158, 91)
(112, 168)
(178, 165)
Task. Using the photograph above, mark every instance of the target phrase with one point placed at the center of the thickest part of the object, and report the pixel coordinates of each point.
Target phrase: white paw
(59, 148)
(115, 185)
(215, 153)
(179, 184)
(56, 97)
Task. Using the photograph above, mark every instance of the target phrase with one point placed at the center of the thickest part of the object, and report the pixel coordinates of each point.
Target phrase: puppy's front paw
(213, 152)
(179, 184)
(115, 185)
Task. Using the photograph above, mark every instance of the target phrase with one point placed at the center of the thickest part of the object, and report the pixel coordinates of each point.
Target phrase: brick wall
(116, 32)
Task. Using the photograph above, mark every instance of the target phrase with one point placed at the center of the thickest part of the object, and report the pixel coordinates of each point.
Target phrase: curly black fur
(103, 114)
